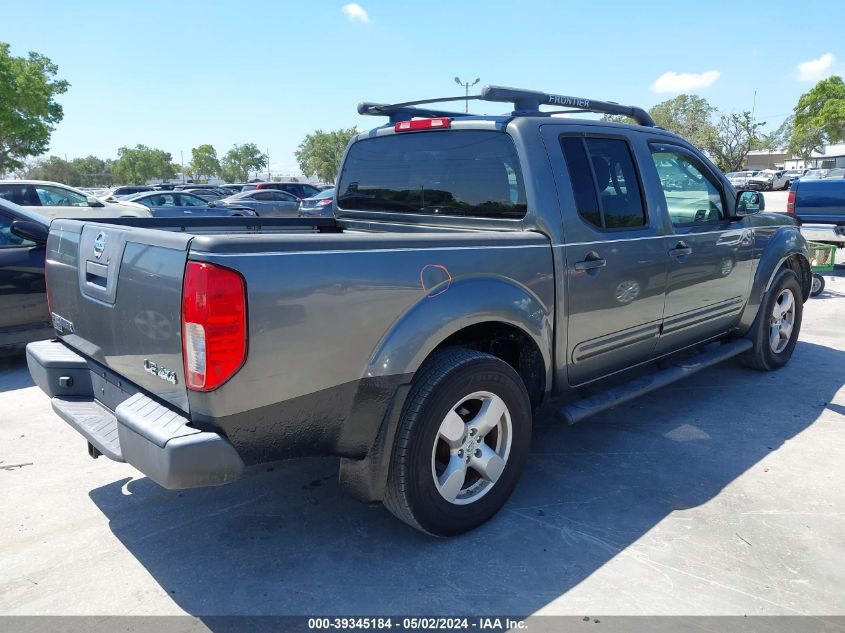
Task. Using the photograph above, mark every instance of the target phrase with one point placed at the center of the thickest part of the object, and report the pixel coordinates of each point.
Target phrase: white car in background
(55, 200)
(768, 180)
(739, 178)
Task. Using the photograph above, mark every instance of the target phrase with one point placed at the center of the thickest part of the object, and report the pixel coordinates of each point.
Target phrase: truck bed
(332, 312)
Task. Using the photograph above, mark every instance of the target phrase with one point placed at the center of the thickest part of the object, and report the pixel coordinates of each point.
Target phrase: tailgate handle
(96, 274)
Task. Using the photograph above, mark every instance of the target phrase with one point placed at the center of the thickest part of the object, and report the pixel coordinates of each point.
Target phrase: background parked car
(839, 172)
(739, 178)
(169, 204)
(54, 200)
(24, 316)
(265, 202)
(124, 190)
(767, 180)
(299, 189)
(319, 206)
(234, 188)
(792, 175)
(813, 174)
(208, 193)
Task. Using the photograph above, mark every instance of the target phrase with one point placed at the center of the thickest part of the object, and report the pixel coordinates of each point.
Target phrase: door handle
(591, 262)
(680, 250)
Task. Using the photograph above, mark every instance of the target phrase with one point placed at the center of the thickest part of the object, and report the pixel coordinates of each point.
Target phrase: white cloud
(816, 69)
(681, 82)
(355, 12)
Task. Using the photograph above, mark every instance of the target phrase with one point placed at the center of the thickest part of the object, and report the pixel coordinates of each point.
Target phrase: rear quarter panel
(337, 320)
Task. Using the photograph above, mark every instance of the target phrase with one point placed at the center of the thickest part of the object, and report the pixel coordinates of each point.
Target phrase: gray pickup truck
(477, 268)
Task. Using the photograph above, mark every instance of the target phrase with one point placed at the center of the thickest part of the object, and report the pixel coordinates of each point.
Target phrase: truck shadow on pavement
(13, 372)
(286, 540)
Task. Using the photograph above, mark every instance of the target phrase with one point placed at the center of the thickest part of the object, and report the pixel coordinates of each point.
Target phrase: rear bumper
(823, 233)
(125, 424)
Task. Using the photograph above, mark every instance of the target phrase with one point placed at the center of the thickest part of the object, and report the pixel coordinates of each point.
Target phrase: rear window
(460, 173)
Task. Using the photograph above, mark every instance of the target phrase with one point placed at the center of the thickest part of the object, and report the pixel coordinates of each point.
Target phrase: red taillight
(325, 202)
(790, 202)
(213, 325)
(423, 124)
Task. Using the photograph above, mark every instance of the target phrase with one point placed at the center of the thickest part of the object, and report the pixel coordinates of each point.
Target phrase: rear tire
(818, 285)
(461, 445)
(778, 323)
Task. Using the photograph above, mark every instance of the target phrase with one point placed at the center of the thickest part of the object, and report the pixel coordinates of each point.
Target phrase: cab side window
(188, 200)
(9, 239)
(56, 197)
(692, 195)
(605, 182)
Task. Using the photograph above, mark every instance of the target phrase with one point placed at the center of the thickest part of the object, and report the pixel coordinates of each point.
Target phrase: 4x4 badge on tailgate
(159, 370)
(99, 244)
(62, 324)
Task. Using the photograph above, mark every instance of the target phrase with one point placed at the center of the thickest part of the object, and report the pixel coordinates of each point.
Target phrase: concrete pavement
(722, 494)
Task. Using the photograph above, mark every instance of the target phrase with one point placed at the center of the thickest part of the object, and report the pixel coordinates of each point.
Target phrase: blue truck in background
(818, 201)
(818, 205)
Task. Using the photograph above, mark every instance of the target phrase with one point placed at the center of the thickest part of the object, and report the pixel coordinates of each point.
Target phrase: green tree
(731, 138)
(822, 109)
(57, 170)
(240, 161)
(93, 171)
(689, 116)
(204, 162)
(618, 118)
(28, 110)
(777, 139)
(805, 140)
(320, 153)
(139, 164)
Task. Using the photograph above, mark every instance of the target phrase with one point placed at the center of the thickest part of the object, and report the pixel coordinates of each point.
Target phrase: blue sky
(180, 73)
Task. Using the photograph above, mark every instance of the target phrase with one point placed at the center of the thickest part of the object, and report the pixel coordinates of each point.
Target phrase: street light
(466, 86)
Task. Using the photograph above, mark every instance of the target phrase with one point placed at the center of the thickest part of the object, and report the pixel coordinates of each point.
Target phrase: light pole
(466, 85)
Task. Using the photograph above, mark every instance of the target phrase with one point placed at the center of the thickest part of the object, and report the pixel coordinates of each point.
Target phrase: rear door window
(473, 173)
(605, 182)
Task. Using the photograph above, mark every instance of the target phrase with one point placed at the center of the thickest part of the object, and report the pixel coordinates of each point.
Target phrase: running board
(581, 409)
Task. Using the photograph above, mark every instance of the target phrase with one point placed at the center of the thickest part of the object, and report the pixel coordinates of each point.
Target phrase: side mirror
(32, 231)
(211, 203)
(749, 203)
(94, 202)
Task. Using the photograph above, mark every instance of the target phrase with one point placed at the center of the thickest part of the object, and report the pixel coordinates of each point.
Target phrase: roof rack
(525, 103)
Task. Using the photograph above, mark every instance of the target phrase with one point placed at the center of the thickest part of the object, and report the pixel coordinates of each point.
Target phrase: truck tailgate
(115, 296)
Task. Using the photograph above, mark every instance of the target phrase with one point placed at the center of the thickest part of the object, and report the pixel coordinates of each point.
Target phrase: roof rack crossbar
(404, 111)
(525, 102)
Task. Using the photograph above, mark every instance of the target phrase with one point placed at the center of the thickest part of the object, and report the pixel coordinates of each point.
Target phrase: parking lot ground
(776, 201)
(721, 494)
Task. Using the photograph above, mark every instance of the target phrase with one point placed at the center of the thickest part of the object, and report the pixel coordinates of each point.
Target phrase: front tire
(461, 444)
(778, 323)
